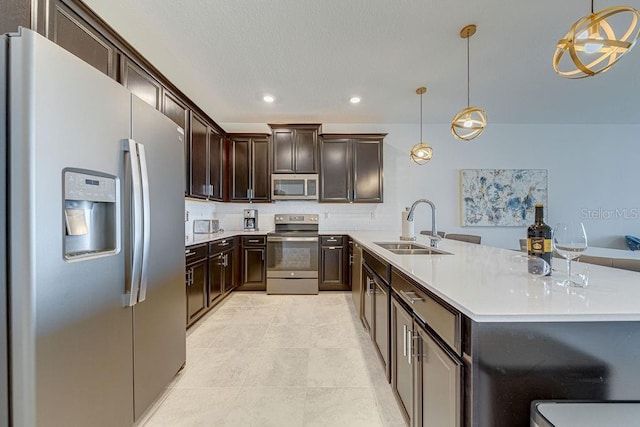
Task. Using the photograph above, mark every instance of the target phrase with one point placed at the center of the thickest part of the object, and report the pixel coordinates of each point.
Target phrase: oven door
(292, 257)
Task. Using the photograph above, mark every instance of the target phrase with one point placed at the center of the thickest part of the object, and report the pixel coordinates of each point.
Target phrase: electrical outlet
(186, 215)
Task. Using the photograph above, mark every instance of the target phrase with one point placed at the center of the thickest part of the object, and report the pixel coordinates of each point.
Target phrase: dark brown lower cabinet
(376, 315)
(216, 277)
(334, 264)
(426, 377)
(438, 382)
(221, 269)
(355, 261)
(367, 299)
(401, 365)
(381, 323)
(254, 270)
(196, 282)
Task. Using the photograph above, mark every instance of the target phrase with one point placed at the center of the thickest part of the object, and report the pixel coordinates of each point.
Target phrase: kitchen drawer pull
(254, 241)
(404, 340)
(411, 299)
(190, 253)
(350, 259)
(332, 240)
(332, 248)
(369, 287)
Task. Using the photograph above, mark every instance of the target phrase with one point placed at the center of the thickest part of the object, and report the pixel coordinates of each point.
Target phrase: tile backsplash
(332, 216)
(195, 209)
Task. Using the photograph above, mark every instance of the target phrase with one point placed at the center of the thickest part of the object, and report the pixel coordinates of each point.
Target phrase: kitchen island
(520, 338)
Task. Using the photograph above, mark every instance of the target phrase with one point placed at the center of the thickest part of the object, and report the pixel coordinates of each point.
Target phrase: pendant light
(422, 152)
(470, 121)
(591, 45)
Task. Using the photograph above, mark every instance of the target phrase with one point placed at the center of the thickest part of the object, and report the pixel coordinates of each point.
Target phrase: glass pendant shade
(596, 42)
(469, 123)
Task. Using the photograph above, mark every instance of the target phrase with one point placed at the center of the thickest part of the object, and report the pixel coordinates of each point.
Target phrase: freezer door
(71, 349)
(159, 318)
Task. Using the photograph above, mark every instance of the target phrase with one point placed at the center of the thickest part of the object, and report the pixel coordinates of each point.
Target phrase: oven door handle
(291, 239)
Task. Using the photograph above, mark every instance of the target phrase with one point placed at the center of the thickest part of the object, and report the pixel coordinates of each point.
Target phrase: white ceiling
(313, 55)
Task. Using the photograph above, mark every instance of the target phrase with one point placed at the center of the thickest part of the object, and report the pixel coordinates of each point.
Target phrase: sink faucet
(434, 238)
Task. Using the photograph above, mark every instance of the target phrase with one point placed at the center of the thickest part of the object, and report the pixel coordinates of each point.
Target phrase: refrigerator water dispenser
(91, 220)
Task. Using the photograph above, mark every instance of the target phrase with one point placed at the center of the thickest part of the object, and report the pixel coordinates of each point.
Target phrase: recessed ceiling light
(355, 99)
(268, 98)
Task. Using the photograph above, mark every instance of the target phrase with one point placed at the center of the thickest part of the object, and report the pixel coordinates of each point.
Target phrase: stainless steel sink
(410, 249)
(401, 245)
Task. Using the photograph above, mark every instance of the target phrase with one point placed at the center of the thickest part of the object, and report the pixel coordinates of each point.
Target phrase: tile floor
(279, 360)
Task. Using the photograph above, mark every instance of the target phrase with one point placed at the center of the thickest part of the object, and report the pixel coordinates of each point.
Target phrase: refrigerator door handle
(146, 223)
(131, 293)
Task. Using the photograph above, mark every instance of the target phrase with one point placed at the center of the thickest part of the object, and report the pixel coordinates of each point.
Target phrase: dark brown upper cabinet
(351, 168)
(140, 83)
(72, 33)
(177, 110)
(217, 161)
(198, 158)
(207, 160)
(249, 164)
(295, 148)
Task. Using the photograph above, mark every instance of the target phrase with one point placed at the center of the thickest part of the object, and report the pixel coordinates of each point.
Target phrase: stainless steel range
(292, 255)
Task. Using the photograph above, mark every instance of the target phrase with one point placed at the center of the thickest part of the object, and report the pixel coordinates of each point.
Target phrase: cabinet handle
(332, 248)
(253, 241)
(411, 299)
(225, 260)
(369, 283)
(350, 259)
(404, 340)
(409, 346)
(209, 190)
(332, 240)
(189, 253)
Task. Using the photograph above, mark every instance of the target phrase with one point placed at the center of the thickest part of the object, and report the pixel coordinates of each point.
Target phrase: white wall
(593, 170)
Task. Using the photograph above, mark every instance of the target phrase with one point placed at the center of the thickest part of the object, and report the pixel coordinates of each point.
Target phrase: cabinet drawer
(254, 240)
(220, 245)
(194, 254)
(444, 321)
(331, 240)
(380, 267)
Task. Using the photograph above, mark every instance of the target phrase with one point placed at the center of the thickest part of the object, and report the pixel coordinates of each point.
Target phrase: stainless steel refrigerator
(94, 256)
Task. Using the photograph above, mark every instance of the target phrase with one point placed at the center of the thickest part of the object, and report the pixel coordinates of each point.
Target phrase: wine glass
(569, 240)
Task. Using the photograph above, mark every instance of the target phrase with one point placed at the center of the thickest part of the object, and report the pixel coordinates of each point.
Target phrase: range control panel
(296, 218)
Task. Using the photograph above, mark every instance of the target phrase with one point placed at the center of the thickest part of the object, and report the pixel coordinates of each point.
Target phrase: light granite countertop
(490, 284)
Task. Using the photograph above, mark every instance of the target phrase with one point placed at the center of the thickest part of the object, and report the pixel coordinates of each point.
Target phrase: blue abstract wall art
(501, 197)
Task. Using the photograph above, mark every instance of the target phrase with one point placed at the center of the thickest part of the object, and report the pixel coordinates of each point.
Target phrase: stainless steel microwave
(294, 186)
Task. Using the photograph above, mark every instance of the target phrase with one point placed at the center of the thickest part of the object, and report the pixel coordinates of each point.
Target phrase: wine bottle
(539, 239)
